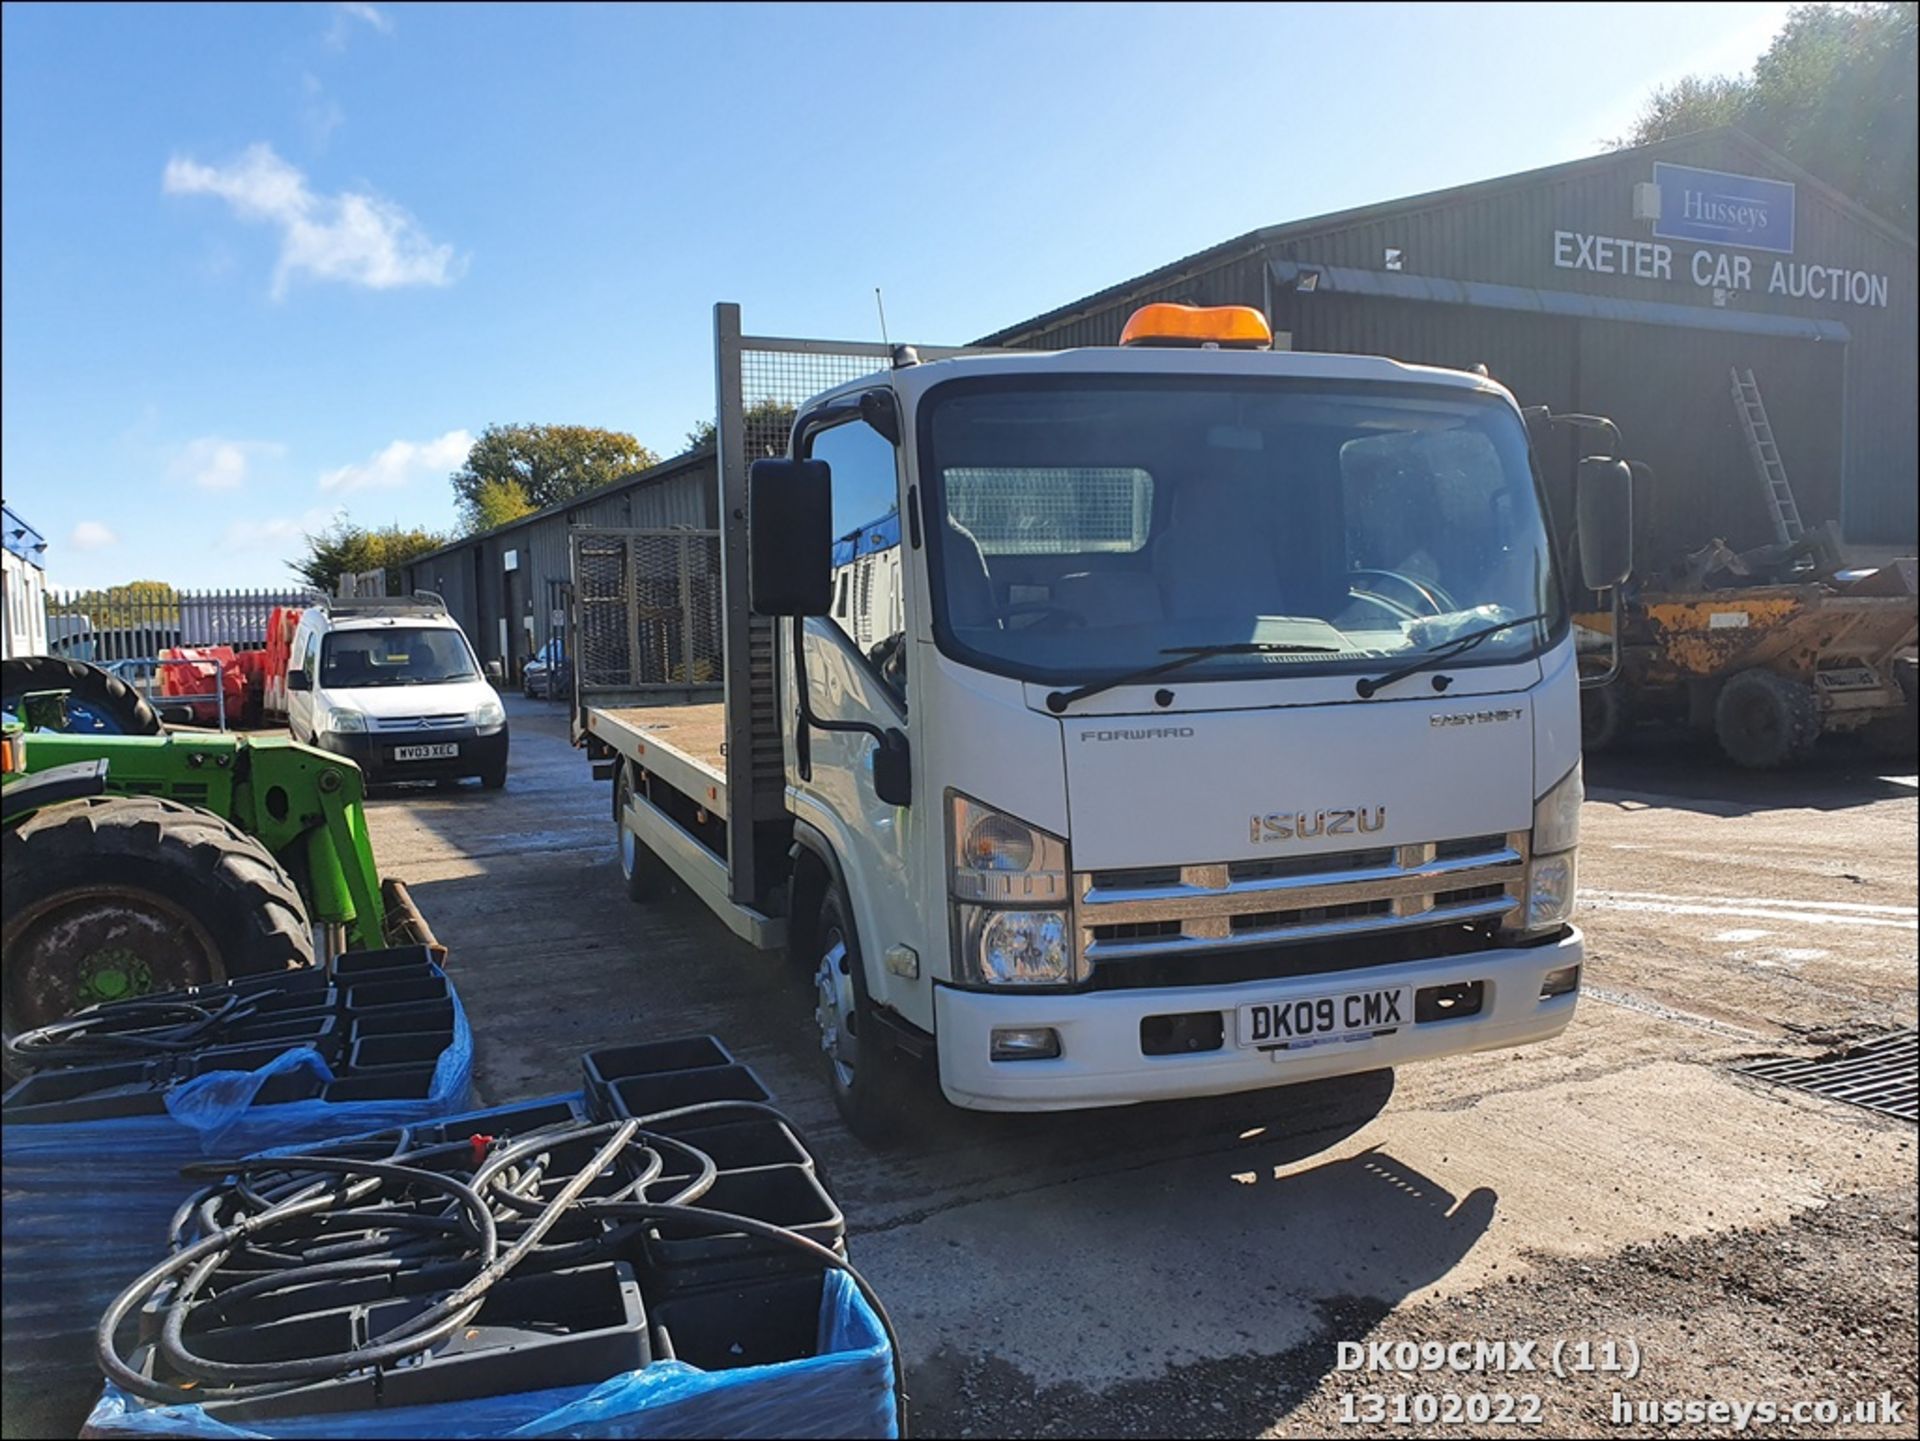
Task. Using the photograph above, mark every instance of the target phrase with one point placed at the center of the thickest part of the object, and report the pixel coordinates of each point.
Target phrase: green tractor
(137, 859)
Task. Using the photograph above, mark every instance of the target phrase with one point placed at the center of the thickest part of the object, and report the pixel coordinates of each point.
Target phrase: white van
(393, 685)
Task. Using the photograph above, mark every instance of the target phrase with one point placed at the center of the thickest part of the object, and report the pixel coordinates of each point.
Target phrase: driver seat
(1217, 558)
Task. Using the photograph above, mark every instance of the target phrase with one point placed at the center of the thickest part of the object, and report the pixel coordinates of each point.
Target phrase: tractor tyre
(1606, 717)
(97, 703)
(117, 896)
(1763, 719)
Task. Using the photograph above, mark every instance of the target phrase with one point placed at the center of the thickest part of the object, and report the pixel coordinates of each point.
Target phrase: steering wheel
(1437, 601)
(1068, 618)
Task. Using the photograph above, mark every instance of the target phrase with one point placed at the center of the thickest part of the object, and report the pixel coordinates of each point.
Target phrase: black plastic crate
(397, 1083)
(363, 995)
(401, 1019)
(571, 1327)
(498, 1121)
(681, 1255)
(350, 966)
(649, 1058)
(139, 1088)
(404, 1049)
(755, 1323)
(640, 1096)
(736, 1145)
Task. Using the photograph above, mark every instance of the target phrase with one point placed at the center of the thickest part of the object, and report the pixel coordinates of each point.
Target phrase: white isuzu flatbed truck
(1116, 724)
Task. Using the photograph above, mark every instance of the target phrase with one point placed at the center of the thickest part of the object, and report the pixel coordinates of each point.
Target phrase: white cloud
(91, 535)
(349, 11)
(213, 463)
(320, 114)
(284, 533)
(401, 462)
(354, 237)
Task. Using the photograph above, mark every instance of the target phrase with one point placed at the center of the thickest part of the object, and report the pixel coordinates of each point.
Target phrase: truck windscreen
(1093, 528)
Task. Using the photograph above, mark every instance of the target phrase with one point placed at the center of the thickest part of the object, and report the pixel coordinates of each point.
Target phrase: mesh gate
(647, 609)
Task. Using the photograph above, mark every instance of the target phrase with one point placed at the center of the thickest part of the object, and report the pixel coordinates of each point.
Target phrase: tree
(138, 602)
(1835, 92)
(549, 464)
(768, 424)
(498, 502)
(344, 548)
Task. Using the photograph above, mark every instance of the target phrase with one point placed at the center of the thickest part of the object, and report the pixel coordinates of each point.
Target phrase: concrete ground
(1193, 1268)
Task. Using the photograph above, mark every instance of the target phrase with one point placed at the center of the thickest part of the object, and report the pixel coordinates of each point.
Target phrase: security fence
(136, 622)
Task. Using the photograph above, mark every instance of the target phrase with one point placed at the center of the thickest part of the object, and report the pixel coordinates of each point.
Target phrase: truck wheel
(864, 1073)
(1897, 736)
(1763, 719)
(118, 896)
(97, 703)
(1605, 717)
(647, 876)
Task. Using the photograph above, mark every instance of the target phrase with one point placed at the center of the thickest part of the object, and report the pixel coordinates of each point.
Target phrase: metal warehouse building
(1628, 285)
(507, 586)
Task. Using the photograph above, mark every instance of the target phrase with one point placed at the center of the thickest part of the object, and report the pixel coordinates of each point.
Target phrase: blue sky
(264, 263)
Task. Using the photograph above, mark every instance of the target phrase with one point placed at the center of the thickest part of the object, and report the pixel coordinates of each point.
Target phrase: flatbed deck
(686, 745)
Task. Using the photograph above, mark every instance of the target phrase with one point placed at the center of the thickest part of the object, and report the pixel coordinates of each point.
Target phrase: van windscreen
(396, 655)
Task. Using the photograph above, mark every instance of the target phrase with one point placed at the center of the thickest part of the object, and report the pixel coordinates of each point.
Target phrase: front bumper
(373, 752)
(1101, 1062)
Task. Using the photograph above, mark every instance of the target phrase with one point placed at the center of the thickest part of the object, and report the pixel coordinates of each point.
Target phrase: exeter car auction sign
(1705, 210)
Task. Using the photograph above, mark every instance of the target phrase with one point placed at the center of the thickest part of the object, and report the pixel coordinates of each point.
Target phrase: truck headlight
(1009, 884)
(1013, 948)
(1556, 815)
(489, 718)
(344, 722)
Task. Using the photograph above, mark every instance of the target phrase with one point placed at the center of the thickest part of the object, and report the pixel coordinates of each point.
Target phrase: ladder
(1766, 457)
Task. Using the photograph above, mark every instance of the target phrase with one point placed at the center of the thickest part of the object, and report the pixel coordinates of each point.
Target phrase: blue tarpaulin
(88, 1202)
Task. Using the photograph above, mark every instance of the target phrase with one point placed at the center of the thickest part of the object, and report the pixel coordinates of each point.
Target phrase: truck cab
(1171, 719)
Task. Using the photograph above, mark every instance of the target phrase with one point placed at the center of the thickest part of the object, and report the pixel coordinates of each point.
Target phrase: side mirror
(790, 537)
(1605, 517)
(893, 770)
(299, 680)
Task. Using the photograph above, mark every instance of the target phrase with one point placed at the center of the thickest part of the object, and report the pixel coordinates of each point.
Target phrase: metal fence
(136, 622)
(646, 609)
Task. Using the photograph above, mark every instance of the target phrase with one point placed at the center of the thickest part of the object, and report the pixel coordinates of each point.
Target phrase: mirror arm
(886, 740)
(1612, 672)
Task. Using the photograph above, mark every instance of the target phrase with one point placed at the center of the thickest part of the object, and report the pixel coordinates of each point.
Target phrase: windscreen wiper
(1184, 655)
(1369, 686)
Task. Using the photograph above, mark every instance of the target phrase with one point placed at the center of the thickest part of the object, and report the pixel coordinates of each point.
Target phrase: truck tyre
(1606, 716)
(118, 896)
(864, 1073)
(1763, 719)
(646, 875)
(98, 703)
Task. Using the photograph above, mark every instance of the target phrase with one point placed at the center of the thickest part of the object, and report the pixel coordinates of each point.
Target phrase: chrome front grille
(445, 721)
(1170, 911)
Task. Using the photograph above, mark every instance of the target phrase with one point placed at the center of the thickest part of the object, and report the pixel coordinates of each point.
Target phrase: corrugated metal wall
(1845, 415)
(481, 592)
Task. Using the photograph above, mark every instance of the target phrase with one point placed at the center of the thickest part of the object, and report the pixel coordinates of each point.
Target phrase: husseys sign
(1694, 212)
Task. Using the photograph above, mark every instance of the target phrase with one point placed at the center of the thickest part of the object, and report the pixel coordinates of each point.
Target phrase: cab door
(850, 678)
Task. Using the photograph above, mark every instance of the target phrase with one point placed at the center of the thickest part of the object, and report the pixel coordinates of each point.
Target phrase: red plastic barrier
(281, 623)
(191, 670)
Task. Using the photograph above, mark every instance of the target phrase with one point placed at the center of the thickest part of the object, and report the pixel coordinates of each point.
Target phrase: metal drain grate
(1882, 1074)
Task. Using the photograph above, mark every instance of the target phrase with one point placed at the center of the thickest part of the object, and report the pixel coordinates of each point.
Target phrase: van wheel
(494, 778)
(646, 875)
(863, 1071)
